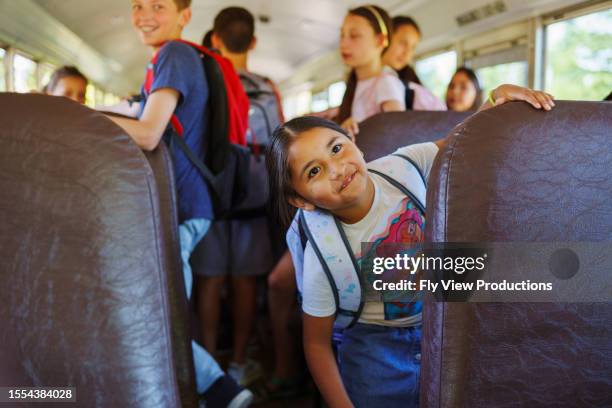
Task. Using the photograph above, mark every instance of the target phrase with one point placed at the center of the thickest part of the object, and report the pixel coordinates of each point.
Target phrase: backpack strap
(409, 98)
(237, 101)
(205, 171)
(178, 133)
(409, 179)
(296, 245)
(226, 117)
(329, 243)
(409, 160)
(149, 78)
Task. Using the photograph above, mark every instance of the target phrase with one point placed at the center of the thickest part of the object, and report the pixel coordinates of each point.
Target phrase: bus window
(110, 99)
(90, 96)
(509, 73)
(506, 65)
(578, 57)
(319, 102)
(99, 97)
(336, 93)
(25, 73)
(435, 72)
(297, 104)
(45, 72)
(2, 71)
(302, 103)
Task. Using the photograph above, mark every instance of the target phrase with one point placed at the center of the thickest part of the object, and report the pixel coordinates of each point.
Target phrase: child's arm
(392, 106)
(125, 108)
(322, 362)
(506, 93)
(148, 131)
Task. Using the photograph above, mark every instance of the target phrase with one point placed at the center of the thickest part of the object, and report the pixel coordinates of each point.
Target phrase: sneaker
(246, 373)
(242, 400)
(225, 393)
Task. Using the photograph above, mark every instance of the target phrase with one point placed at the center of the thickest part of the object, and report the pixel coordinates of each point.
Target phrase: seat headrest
(382, 134)
(514, 173)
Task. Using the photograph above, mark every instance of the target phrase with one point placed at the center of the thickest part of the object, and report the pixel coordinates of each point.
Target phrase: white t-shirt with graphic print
(389, 203)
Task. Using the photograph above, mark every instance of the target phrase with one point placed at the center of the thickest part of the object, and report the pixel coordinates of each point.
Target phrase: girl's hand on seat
(537, 99)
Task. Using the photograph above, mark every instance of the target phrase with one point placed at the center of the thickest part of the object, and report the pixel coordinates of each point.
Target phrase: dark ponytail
(347, 100)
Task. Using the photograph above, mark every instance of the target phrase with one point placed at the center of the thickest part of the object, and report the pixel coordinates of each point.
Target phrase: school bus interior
(92, 285)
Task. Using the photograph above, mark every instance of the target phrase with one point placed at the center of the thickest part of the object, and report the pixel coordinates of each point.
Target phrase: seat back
(160, 161)
(90, 299)
(382, 134)
(515, 174)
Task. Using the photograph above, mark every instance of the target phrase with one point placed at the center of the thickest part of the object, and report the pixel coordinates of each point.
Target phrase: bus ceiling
(297, 41)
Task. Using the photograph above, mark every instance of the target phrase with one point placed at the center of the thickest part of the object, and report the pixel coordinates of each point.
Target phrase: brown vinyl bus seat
(92, 290)
(515, 174)
(384, 133)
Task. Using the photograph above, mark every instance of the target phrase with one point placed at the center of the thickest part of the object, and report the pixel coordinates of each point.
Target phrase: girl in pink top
(370, 88)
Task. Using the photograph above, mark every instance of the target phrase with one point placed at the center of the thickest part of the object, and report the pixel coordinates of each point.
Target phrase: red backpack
(226, 159)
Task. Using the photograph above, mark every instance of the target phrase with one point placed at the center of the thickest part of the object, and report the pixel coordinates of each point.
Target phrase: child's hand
(537, 99)
(351, 127)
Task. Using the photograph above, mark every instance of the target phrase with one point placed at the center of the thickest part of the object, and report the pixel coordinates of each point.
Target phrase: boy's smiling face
(158, 21)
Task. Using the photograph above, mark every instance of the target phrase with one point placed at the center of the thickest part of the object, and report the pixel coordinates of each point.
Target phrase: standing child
(464, 93)
(243, 247)
(180, 89)
(67, 81)
(371, 88)
(406, 36)
(316, 168)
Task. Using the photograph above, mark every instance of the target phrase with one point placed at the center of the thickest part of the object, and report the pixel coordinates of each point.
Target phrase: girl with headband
(371, 88)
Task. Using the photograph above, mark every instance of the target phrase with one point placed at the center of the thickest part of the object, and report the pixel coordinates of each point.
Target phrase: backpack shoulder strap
(296, 243)
(149, 79)
(404, 174)
(328, 241)
(409, 97)
(237, 100)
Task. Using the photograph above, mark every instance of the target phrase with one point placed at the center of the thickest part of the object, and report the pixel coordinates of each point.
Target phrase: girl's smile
(328, 171)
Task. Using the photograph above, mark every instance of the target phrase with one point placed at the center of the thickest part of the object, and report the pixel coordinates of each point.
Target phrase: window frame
(39, 72)
(6, 50)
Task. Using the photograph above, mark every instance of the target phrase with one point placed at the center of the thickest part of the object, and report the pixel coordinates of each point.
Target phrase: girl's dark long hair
(399, 21)
(474, 80)
(277, 162)
(408, 74)
(351, 83)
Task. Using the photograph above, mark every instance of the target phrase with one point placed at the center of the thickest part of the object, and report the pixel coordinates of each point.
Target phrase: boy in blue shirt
(180, 90)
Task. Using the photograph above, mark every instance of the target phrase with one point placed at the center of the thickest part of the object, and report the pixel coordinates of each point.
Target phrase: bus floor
(261, 350)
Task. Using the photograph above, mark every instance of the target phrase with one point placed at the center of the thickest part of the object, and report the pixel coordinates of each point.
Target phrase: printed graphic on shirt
(404, 225)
